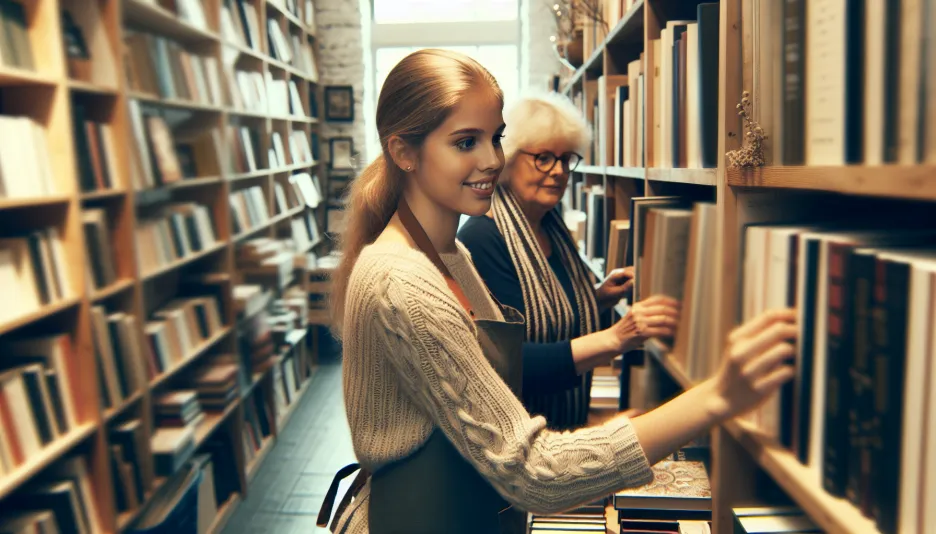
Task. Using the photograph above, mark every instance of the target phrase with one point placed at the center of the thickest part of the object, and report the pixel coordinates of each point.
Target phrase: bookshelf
(95, 127)
(800, 186)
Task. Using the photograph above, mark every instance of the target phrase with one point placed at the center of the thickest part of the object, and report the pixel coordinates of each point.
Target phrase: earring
(408, 168)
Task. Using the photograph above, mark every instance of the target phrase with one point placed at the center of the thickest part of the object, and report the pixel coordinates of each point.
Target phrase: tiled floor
(286, 494)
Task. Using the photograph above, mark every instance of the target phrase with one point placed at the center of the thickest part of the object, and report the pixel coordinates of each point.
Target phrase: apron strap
(329, 501)
(422, 241)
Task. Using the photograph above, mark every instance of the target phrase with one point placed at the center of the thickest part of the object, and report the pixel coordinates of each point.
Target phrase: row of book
(248, 209)
(164, 155)
(160, 66)
(835, 86)
(256, 92)
(94, 150)
(258, 417)
(266, 261)
(131, 468)
(292, 51)
(25, 171)
(858, 414)
(38, 397)
(120, 353)
(101, 261)
(61, 499)
(173, 233)
(17, 49)
(180, 328)
(684, 63)
(304, 190)
(240, 24)
(34, 271)
(594, 33)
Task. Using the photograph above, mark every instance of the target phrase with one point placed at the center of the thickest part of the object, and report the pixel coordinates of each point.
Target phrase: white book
(693, 106)
(875, 81)
(825, 82)
(911, 50)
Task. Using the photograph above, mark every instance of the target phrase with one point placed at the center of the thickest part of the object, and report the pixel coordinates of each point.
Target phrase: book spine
(805, 364)
(794, 63)
(836, 443)
(891, 302)
(858, 477)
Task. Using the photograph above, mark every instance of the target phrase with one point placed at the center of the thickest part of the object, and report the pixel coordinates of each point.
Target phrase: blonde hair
(416, 98)
(540, 117)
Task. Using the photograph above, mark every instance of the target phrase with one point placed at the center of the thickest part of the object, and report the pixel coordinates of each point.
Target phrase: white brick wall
(341, 62)
(537, 59)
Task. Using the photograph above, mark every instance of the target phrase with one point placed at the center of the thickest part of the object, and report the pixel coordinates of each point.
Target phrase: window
(420, 11)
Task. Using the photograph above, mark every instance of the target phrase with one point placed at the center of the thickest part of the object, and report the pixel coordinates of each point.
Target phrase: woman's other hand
(657, 316)
(615, 287)
(756, 362)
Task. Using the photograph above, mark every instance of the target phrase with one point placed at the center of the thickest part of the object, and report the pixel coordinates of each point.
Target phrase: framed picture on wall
(339, 103)
(340, 152)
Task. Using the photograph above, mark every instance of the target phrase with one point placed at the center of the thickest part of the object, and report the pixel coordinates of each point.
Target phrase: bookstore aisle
(289, 487)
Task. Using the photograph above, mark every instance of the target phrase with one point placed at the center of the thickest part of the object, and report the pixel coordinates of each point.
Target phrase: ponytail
(371, 202)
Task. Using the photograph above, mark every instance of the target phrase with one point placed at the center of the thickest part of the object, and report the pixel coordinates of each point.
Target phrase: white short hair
(541, 117)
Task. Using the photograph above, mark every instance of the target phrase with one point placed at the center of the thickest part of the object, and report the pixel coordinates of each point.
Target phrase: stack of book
(172, 447)
(266, 261)
(589, 518)
(178, 409)
(680, 491)
(217, 385)
(774, 519)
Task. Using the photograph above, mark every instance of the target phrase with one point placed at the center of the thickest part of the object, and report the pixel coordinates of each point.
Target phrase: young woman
(430, 374)
(528, 259)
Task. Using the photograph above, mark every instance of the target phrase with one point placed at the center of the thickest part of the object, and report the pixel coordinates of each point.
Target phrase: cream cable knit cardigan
(412, 363)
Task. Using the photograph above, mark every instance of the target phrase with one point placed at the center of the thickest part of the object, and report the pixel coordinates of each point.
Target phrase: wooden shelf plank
(637, 173)
(188, 105)
(246, 50)
(34, 202)
(254, 466)
(80, 86)
(590, 169)
(17, 76)
(683, 176)
(52, 452)
(286, 14)
(41, 313)
(186, 183)
(271, 222)
(661, 353)
(111, 413)
(225, 512)
(211, 422)
(102, 195)
(895, 181)
(277, 64)
(111, 290)
(833, 515)
(183, 261)
(199, 350)
(151, 16)
(249, 175)
(296, 167)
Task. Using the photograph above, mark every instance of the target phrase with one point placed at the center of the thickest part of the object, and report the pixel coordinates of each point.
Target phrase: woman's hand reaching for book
(756, 362)
(657, 316)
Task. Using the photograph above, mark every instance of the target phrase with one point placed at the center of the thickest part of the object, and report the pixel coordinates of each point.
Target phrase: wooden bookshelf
(894, 181)
(739, 450)
(49, 95)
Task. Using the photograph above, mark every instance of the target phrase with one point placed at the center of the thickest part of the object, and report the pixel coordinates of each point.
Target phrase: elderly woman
(529, 261)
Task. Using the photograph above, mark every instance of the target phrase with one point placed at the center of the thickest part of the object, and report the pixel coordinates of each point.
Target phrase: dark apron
(435, 489)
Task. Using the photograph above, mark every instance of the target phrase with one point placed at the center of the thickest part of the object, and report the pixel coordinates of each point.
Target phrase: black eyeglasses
(545, 161)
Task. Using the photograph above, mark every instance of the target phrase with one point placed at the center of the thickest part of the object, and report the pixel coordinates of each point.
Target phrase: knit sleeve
(547, 367)
(432, 346)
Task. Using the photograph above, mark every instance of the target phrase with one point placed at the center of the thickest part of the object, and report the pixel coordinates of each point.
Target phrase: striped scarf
(549, 314)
